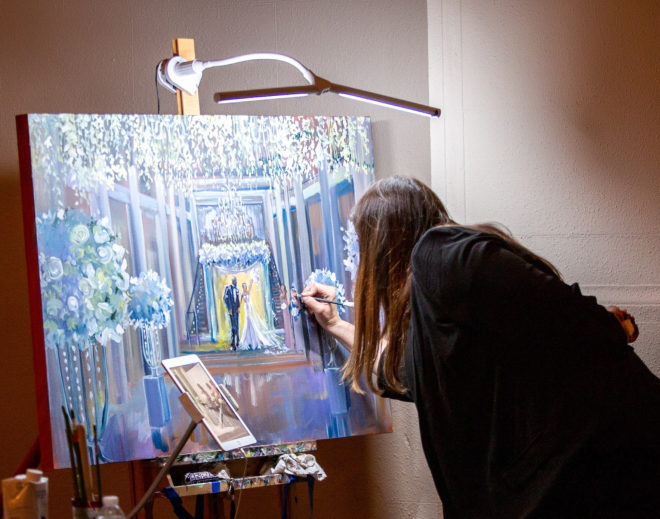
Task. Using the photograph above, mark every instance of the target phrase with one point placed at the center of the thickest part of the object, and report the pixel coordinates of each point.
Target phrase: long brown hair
(389, 219)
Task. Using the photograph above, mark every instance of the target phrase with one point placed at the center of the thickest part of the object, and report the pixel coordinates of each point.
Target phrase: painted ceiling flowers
(89, 151)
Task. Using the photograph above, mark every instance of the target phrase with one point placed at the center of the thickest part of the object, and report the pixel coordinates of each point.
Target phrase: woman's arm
(510, 296)
(480, 281)
(326, 314)
(328, 318)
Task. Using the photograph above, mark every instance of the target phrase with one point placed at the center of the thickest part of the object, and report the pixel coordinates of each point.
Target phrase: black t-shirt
(524, 387)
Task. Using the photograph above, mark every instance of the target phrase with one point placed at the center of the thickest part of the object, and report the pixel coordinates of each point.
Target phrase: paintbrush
(97, 450)
(69, 440)
(79, 467)
(85, 467)
(348, 304)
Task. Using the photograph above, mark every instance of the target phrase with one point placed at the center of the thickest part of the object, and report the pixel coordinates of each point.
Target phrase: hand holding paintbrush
(321, 302)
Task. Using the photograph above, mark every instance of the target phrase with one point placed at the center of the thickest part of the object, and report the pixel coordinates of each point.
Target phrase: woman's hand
(326, 314)
(626, 321)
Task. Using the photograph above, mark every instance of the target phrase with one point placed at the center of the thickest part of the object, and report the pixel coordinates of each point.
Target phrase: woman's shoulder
(445, 242)
(446, 258)
(447, 233)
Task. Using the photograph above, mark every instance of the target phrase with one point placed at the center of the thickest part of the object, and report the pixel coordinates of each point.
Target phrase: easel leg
(214, 506)
(140, 474)
(149, 509)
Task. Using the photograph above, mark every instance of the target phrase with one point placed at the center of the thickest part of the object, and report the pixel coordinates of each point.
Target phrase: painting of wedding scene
(158, 236)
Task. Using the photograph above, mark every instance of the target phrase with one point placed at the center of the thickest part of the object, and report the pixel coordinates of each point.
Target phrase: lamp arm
(306, 73)
(383, 100)
(177, 72)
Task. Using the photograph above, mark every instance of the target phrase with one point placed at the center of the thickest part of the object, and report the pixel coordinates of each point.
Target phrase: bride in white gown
(254, 333)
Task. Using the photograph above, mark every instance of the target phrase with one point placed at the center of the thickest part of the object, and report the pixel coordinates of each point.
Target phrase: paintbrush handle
(97, 450)
(83, 453)
(72, 457)
(331, 302)
(79, 472)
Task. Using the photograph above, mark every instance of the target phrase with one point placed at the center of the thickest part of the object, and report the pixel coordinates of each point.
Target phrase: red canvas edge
(34, 292)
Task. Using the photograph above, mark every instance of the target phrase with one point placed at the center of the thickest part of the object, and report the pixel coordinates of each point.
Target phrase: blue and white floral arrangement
(326, 277)
(150, 302)
(83, 277)
(149, 310)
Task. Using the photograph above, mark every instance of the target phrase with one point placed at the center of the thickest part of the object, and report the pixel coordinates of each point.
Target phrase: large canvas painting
(150, 237)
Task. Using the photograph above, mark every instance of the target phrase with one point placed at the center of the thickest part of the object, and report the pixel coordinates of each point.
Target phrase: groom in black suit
(233, 303)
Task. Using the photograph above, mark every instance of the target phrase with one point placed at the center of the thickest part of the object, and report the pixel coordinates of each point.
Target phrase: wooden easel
(144, 472)
(187, 104)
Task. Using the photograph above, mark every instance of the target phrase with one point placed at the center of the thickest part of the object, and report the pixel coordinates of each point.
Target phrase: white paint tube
(26, 496)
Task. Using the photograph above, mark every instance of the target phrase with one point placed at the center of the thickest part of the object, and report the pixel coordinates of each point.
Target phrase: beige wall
(551, 127)
(99, 56)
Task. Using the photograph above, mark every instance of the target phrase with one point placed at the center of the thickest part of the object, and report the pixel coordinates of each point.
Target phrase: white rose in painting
(103, 282)
(123, 281)
(105, 254)
(118, 250)
(115, 299)
(116, 333)
(103, 311)
(72, 304)
(101, 234)
(54, 269)
(53, 307)
(84, 287)
(92, 326)
(79, 234)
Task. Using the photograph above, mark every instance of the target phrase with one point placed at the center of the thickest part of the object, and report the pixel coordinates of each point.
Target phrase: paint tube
(26, 496)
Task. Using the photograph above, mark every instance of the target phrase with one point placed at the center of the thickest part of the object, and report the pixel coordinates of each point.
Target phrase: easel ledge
(261, 454)
(145, 471)
(260, 451)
